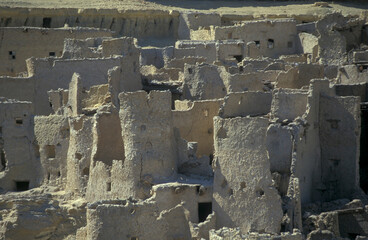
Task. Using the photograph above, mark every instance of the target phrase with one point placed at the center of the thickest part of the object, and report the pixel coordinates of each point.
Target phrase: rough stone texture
(240, 191)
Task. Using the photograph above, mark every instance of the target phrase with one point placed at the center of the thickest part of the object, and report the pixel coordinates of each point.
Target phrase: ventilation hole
(48, 176)
(21, 186)
(290, 44)
(59, 174)
(204, 209)
(51, 54)
(108, 186)
(190, 71)
(134, 238)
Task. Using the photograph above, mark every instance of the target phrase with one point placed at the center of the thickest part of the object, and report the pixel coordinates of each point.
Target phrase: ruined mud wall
(18, 44)
(139, 24)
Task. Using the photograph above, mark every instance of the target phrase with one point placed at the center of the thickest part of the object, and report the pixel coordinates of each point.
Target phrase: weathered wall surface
(269, 35)
(134, 23)
(339, 123)
(18, 44)
(52, 135)
(136, 220)
(149, 143)
(242, 182)
(18, 150)
(195, 123)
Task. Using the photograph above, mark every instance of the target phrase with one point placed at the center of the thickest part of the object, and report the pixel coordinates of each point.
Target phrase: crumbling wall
(202, 82)
(20, 163)
(339, 123)
(19, 43)
(149, 144)
(136, 220)
(195, 123)
(246, 104)
(79, 153)
(272, 37)
(242, 182)
(107, 149)
(52, 134)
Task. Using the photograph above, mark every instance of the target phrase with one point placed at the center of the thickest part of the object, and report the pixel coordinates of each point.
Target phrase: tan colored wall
(195, 123)
(26, 42)
(17, 147)
(281, 31)
(242, 182)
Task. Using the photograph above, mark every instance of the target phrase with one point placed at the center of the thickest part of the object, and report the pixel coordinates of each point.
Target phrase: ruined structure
(182, 125)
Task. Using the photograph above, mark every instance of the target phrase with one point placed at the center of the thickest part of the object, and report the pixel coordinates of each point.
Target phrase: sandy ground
(225, 7)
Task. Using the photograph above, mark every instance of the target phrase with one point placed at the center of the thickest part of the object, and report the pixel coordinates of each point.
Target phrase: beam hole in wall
(108, 186)
(270, 43)
(50, 151)
(52, 54)
(19, 121)
(59, 174)
(2, 160)
(363, 159)
(21, 186)
(12, 55)
(46, 22)
(204, 209)
(190, 70)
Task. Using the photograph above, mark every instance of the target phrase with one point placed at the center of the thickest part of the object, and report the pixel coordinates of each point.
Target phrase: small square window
(11, 54)
(270, 43)
(258, 44)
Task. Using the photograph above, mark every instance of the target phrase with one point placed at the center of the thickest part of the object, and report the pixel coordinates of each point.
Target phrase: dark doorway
(21, 186)
(204, 209)
(46, 23)
(363, 160)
